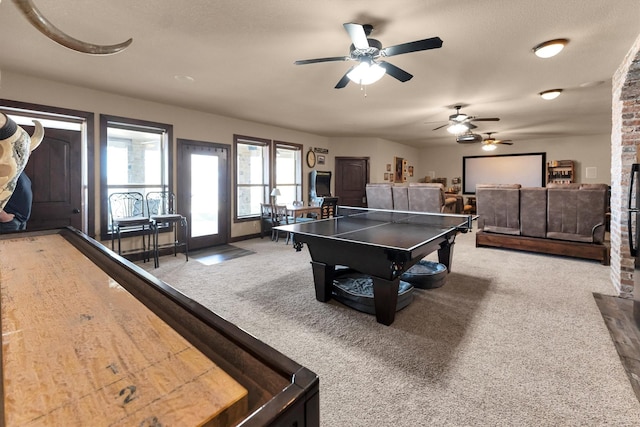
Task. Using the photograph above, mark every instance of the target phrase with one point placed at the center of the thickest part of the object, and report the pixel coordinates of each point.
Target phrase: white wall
(188, 124)
(592, 151)
(445, 161)
(380, 152)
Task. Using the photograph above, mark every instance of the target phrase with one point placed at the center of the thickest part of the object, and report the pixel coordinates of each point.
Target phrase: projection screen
(527, 169)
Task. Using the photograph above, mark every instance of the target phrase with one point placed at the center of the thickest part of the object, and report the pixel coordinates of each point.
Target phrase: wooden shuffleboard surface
(78, 349)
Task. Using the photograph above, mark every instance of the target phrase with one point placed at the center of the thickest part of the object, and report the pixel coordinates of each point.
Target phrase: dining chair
(266, 219)
(279, 216)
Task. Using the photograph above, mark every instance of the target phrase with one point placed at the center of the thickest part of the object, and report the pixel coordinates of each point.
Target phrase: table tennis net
(390, 216)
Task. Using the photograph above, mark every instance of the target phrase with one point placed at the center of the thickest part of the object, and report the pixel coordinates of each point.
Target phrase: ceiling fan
(490, 144)
(367, 52)
(461, 123)
(492, 141)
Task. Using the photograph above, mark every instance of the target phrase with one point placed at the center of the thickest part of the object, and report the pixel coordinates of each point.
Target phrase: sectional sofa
(415, 196)
(561, 219)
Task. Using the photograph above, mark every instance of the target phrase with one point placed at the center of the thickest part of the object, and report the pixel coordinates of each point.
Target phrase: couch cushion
(379, 196)
(573, 186)
(400, 197)
(426, 197)
(498, 208)
(577, 214)
(533, 211)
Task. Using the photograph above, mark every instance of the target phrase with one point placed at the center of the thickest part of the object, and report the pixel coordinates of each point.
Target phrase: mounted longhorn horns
(48, 29)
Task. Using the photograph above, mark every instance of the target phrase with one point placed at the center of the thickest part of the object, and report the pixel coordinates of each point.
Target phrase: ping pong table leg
(445, 253)
(323, 280)
(385, 299)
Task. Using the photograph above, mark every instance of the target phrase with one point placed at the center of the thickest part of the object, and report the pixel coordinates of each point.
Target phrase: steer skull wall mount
(15, 147)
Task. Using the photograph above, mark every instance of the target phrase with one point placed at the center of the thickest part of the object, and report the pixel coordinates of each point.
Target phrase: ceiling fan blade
(484, 119)
(505, 142)
(357, 35)
(395, 72)
(440, 127)
(330, 59)
(432, 43)
(344, 80)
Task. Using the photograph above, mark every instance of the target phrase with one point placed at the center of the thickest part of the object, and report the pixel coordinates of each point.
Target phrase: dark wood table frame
(385, 270)
(384, 264)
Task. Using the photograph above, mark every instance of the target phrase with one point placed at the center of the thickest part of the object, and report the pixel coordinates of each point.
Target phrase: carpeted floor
(512, 339)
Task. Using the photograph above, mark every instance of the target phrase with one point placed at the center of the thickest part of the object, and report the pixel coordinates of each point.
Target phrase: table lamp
(274, 193)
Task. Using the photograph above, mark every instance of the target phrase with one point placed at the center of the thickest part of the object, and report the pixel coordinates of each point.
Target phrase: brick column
(625, 140)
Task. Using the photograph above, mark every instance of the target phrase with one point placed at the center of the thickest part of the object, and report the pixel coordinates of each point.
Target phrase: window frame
(166, 160)
(298, 173)
(269, 171)
(266, 173)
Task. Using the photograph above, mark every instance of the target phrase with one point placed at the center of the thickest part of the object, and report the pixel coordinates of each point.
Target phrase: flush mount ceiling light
(550, 94)
(550, 48)
(366, 73)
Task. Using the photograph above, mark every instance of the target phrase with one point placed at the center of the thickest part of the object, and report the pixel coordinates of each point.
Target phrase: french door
(203, 195)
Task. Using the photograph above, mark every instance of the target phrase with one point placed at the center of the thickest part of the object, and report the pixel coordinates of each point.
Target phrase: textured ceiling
(241, 55)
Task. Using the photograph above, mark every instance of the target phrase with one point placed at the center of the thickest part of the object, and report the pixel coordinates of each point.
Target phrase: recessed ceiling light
(550, 48)
(184, 78)
(550, 94)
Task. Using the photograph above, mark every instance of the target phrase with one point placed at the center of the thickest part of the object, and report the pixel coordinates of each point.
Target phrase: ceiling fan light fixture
(550, 94)
(550, 48)
(458, 128)
(366, 73)
(489, 147)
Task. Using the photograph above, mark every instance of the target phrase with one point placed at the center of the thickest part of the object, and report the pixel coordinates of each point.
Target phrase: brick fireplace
(625, 143)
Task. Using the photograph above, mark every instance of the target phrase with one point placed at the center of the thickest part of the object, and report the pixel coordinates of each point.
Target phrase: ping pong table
(380, 243)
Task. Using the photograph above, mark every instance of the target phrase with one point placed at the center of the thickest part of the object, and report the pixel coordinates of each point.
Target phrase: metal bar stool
(126, 210)
(161, 208)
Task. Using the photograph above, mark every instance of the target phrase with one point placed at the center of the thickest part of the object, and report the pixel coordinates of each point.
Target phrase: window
(252, 175)
(288, 172)
(262, 165)
(135, 156)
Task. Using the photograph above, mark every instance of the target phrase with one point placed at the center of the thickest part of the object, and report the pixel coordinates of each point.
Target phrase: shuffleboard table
(89, 338)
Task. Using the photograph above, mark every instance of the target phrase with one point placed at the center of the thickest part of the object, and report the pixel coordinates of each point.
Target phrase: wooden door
(55, 170)
(203, 194)
(352, 175)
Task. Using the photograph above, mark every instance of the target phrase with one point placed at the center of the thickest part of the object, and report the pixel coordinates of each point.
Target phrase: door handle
(76, 211)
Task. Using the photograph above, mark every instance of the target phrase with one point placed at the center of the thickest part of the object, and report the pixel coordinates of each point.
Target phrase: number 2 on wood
(128, 392)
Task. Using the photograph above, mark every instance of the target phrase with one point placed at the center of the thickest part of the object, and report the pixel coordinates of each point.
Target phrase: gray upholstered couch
(419, 197)
(561, 219)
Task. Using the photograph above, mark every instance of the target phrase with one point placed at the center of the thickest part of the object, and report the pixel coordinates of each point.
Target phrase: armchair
(429, 197)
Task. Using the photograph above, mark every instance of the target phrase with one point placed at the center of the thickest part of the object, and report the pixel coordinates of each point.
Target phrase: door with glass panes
(203, 191)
